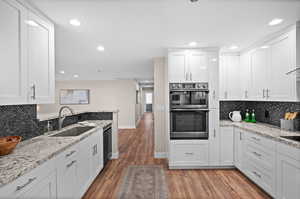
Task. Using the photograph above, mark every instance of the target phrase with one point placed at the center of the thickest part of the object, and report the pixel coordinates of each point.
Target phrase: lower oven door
(189, 124)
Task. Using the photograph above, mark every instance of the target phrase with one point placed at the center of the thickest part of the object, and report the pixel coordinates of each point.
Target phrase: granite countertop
(32, 153)
(50, 116)
(265, 130)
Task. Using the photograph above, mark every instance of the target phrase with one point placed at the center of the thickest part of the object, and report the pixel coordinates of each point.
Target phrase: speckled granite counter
(32, 153)
(265, 130)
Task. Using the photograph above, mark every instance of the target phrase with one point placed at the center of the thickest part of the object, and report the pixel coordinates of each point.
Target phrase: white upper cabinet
(267, 72)
(13, 36)
(259, 62)
(41, 60)
(213, 82)
(281, 85)
(177, 66)
(197, 65)
(26, 56)
(187, 66)
(230, 77)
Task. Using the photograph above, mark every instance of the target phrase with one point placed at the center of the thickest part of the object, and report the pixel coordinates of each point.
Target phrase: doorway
(148, 101)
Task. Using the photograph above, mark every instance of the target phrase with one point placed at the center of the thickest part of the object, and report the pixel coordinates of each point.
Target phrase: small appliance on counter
(235, 116)
(289, 122)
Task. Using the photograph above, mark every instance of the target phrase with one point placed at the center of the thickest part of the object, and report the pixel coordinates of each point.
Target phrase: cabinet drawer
(262, 141)
(27, 181)
(68, 155)
(265, 158)
(189, 154)
(265, 179)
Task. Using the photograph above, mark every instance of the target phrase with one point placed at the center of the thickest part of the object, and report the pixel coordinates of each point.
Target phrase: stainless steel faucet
(62, 118)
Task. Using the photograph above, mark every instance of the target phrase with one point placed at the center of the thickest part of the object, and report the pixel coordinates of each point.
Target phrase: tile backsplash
(22, 120)
(267, 112)
(19, 120)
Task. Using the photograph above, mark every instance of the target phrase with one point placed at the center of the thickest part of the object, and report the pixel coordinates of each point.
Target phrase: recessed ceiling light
(31, 23)
(75, 76)
(75, 22)
(100, 48)
(62, 72)
(264, 47)
(233, 47)
(275, 22)
(214, 59)
(193, 44)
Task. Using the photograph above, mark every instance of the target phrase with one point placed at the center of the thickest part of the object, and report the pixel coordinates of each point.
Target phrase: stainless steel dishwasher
(107, 144)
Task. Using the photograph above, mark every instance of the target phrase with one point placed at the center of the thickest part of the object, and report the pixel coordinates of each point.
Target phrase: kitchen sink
(295, 138)
(75, 131)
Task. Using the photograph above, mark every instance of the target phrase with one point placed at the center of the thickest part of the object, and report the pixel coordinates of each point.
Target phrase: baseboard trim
(115, 155)
(127, 127)
(160, 155)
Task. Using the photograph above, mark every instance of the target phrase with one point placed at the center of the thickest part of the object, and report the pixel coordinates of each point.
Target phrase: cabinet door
(233, 77)
(68, 179)
(84, 166)
(177, 66)
(288, 178)
(223, 94)
(198, 67)
(238, 148)
(13, 76)
(259, 69)
(214, 138)
(41, 60)
(213, 68)
(226, 146)
(96, 151)
(245, 76)
(281, 86)
(45, 189)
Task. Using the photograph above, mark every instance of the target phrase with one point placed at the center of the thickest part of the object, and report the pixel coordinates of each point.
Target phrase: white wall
(159, 99)
(104, 95)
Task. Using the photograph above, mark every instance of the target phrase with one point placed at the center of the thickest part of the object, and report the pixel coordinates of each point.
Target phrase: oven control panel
(189, 86)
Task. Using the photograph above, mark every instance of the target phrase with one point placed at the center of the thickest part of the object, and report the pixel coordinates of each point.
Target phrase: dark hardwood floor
(136, 148)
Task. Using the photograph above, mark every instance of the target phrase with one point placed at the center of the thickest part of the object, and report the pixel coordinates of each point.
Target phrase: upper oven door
(189, 99)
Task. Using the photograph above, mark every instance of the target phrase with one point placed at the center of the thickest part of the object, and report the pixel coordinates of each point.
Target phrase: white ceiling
(135, 31)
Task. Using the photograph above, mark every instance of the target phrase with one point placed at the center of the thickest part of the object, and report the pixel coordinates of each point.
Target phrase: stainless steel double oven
(189, 110)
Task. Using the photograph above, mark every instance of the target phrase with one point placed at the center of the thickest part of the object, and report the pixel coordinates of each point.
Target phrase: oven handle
(180, 109)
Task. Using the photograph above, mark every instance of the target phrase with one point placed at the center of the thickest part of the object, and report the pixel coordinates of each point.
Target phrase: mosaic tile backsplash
(266, 112)
(22, 120)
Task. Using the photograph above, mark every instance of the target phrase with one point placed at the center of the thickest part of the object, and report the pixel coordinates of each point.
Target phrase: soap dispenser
(253, 117)
(247, 116)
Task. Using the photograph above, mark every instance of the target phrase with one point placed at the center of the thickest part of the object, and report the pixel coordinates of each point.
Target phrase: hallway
(136, 148)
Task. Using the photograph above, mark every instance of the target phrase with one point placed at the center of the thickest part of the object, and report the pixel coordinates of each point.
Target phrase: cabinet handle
(256, 139)
(263, 93)
(95, 149)
(240, 136)
(246, 94)
(215, 133)
(71, 153)
(189, 153)
(268, 90)
(294, 70)
(73, 162)
(257, 154)
(255, 173)
(33, 91)
(186, 76)
(214, 94)
(30, 180)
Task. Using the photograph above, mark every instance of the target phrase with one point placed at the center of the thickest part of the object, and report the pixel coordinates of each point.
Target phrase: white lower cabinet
(226, 146)
(44, 189)
(239, 137)
(188, 153)
(288, 172)
(66, 176)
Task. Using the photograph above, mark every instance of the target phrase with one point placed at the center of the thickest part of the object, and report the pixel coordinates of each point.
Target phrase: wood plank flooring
(136, 148)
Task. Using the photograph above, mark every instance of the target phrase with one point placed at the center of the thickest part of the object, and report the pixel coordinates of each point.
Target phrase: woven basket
(8, 144)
